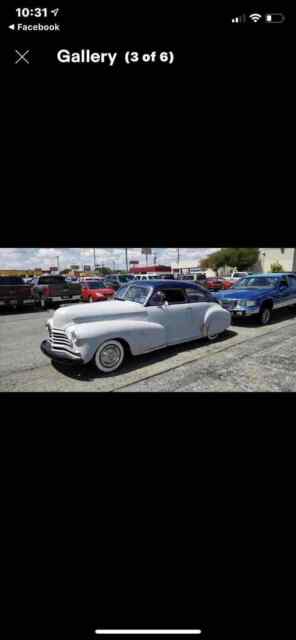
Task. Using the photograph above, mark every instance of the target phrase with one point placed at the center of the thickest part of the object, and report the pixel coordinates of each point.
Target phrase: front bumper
(244, 312)
(59, 356)
(13, 302)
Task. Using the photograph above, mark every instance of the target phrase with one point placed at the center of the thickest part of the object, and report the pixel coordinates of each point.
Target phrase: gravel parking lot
(248, 358)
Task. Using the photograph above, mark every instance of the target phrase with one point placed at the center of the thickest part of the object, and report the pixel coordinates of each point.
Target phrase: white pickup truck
(237, 275)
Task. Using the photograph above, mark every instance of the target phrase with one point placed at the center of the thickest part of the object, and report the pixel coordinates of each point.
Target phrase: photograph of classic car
(176, 320)
(142, 317)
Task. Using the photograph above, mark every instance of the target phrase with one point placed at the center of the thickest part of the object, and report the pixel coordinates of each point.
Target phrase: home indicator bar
(148, 632)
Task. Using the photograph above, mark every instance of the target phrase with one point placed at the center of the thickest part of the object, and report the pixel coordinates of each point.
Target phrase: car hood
(243, 294)
(109, 310)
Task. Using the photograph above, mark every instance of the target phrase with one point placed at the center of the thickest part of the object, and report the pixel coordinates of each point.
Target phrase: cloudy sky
(113, 258)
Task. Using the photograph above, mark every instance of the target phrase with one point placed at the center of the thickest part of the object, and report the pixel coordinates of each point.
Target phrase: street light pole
(95, 260)
(178, 256)
(58, 262)
(126, 260)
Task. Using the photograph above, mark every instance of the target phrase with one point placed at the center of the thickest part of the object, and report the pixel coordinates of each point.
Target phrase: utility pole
(95, 260)
(178, 256)
(126, 260)
(58, 262)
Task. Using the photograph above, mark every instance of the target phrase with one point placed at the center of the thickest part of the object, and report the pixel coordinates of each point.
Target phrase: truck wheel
(265, 315)
(109, 356)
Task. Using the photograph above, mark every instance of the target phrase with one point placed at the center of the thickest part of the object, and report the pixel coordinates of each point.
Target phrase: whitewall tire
(213, 337)
(109, 356)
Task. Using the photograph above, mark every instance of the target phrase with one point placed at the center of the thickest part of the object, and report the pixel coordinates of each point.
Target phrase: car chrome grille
(59, 340)
(229, 304)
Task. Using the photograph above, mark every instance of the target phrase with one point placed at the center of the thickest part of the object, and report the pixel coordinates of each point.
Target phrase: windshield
(95, 285)
(124, 278)
(248, 283)
(133, 294)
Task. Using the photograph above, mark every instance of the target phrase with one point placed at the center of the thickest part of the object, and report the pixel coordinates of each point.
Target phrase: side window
(292, 282)
(194, 295)
(174, 296)
(284, 281)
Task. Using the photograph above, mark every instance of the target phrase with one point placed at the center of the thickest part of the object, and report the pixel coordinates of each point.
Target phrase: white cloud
(113, 257)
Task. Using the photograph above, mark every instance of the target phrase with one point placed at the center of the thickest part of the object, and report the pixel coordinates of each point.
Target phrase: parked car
(14, 292)
(95, 291)
(143, 317)
(214, 284)
(228, 283)
(260, 294)
(55, 289)
(234, 278)
(147, 276)
(116, 281)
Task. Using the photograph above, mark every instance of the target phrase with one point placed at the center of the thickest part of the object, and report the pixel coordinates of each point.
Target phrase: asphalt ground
(247, 358)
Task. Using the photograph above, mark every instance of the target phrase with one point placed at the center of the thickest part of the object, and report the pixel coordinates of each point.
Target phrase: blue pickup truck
(259, 294)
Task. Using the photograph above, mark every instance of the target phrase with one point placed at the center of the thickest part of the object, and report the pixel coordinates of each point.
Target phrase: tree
(241, 258)
(276, 267)
(104, 271)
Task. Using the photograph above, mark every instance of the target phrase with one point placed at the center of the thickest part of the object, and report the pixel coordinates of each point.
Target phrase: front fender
(216, 320)
(141, 336)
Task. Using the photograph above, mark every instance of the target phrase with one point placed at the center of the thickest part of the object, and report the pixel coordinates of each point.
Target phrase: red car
(95, 291)
(214, 284)
(228, 283)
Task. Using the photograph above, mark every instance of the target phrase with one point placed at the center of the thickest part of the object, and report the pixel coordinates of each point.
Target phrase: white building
(186, 267)
(285, 257)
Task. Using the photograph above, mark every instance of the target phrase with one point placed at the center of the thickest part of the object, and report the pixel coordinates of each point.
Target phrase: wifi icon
(255, 17)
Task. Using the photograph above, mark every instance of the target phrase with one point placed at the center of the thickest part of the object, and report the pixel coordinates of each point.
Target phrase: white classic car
(143, 317)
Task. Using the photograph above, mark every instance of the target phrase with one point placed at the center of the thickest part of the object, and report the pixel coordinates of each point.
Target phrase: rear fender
(216, 320)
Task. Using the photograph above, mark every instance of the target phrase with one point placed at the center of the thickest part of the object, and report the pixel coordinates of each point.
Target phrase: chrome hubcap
(110, 356)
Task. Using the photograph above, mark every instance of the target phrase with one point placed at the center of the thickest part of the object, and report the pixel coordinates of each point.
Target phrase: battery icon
(276, 18)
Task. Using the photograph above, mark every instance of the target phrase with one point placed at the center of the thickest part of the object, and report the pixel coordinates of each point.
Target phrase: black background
(147, 511)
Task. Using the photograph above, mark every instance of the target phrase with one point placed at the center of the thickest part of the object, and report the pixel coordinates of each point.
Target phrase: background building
(286, 258)
(186, 267)
(155, 268)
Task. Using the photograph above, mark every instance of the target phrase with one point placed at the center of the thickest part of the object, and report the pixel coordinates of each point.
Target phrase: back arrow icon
(11, 26)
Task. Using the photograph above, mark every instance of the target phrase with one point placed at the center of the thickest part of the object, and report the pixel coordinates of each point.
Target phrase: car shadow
(134, 363)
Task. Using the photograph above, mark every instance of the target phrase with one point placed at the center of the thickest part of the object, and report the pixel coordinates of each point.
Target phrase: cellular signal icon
(239, 18)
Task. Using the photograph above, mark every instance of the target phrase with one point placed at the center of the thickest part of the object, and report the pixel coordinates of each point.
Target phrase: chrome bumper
(59, 356)
(243, 312)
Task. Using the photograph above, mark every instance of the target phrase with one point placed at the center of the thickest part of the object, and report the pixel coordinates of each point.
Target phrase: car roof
(166, 284)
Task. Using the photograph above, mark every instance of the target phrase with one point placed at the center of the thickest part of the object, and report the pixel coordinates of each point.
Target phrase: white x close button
(21, 56)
